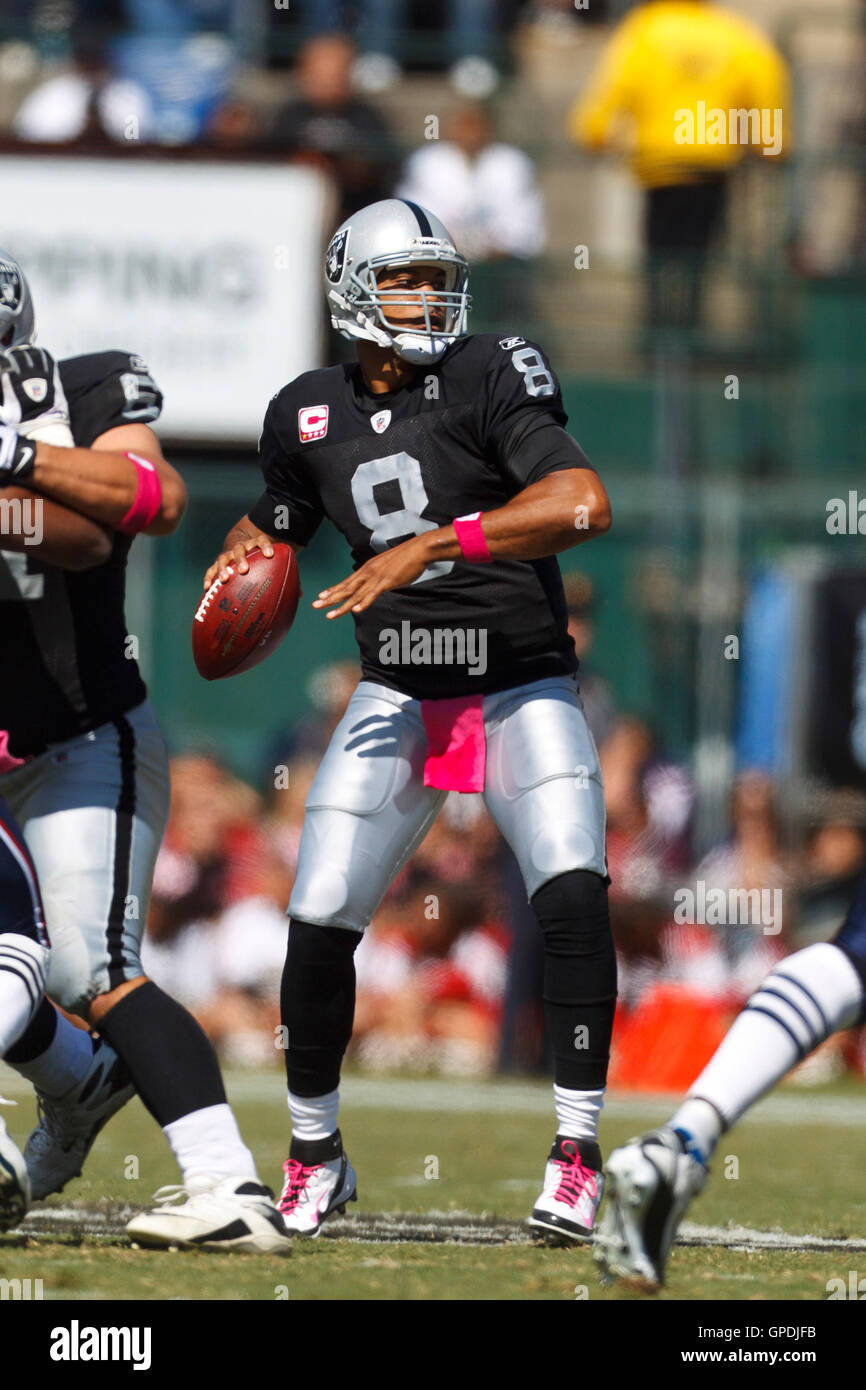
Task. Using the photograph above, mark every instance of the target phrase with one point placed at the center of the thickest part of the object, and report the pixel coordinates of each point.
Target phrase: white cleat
(315, 1188)
(213, 1214)
(650, 1183)
(570, 1198)
(14, 1182)
(68, 1126)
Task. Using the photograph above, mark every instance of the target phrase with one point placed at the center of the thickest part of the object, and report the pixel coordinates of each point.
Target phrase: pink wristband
(470, 538)
(148, 498)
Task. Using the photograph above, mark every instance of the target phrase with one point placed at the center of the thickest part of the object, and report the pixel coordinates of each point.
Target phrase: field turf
(445, 1155)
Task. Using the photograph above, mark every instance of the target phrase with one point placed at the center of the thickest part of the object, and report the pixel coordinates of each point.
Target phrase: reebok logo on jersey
(36, 388)
(312, 422)
(381, 421)
(507, 343)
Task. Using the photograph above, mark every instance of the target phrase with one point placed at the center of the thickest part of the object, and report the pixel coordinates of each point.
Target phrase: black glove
(17, 456)
(31, 388)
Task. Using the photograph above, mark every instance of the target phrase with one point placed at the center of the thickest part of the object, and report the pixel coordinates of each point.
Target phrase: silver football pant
(93, 810)
(368, 808)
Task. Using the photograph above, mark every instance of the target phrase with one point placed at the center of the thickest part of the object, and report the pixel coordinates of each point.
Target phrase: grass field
(461, 1163)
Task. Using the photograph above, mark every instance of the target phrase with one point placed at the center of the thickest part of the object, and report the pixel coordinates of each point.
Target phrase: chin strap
(417, 348)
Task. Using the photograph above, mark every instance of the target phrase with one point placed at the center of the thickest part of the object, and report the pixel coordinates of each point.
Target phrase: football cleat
(573, 1184)
(319, 1180)
(650, 1182)
(68, 1126)
(14, 1182)
(213, 1214)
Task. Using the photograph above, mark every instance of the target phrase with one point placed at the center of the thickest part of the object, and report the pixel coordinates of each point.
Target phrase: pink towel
(456, 751)
(8, 761)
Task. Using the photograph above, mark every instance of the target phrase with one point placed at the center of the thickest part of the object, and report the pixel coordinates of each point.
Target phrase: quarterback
(442, 459)
(84, 769)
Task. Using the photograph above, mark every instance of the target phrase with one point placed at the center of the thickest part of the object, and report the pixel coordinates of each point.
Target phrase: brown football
(239, 623)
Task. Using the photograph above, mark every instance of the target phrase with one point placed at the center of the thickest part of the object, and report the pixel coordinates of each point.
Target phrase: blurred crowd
(314, 83)
(449, 972)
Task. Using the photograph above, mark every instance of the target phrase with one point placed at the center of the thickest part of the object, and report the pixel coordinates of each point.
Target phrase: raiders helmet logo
(10, 285)
(381, 421)
(335, 256)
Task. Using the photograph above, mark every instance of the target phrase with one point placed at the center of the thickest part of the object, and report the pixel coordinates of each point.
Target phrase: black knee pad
(579, 976)
(317, 999)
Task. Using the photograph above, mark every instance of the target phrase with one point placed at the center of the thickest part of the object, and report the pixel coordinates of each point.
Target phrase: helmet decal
(10, 285)
(17, 320)
(335, 257)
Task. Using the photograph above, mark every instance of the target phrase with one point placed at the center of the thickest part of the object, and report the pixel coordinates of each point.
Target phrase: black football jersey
(63, 634)
(466, 435)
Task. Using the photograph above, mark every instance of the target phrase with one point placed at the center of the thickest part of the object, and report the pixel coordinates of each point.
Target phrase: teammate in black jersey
(468, 670)
(84, 767)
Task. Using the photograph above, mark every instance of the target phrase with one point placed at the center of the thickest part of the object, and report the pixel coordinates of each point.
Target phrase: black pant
(680, 223)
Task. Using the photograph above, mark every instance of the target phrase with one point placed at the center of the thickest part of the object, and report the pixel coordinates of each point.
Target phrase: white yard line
(457, 1227)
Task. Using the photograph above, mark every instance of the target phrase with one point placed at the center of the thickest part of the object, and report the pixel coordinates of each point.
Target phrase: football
(239, 623)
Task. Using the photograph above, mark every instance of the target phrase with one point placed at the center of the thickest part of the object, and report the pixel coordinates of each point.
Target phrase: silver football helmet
(395, 232)
(17, 319)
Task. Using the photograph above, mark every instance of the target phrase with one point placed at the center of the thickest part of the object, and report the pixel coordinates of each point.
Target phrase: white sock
(697, 1119)
(209, 1142)
(808, 996)
(577, 1112)
(22, 985)
(64, 1062)
(314, 1117)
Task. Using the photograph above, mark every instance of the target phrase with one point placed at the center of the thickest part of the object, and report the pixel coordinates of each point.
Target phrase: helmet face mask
(17, 319)
(389, 236)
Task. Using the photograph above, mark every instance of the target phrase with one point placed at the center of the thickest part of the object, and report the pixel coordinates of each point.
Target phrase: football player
(651, 1180)
(468, 670)
(84, 769)
(24, 952)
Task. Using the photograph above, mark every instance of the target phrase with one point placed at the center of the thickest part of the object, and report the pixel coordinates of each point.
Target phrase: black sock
(37, 1036)
(310, 1151)
(586, 1150)
(579, 977)
(317, 999)
(172, 1064)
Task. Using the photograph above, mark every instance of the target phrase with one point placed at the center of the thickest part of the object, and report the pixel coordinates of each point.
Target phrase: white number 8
(404, 470)
(536, 377)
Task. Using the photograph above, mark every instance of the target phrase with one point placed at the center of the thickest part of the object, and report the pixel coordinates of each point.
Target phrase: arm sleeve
(108, 389)
(522, 416)
(290, 508)
(539, 447)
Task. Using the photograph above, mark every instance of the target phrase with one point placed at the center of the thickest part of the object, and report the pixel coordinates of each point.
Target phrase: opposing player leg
(24, 953)
(367, 811)
(543, 789)
(652, 1179)
(94, 811)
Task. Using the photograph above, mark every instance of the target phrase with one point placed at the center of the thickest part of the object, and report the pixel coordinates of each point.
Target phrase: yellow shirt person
(687, 89)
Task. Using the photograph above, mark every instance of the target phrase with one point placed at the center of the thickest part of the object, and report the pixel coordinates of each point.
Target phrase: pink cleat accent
(571, 1196)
